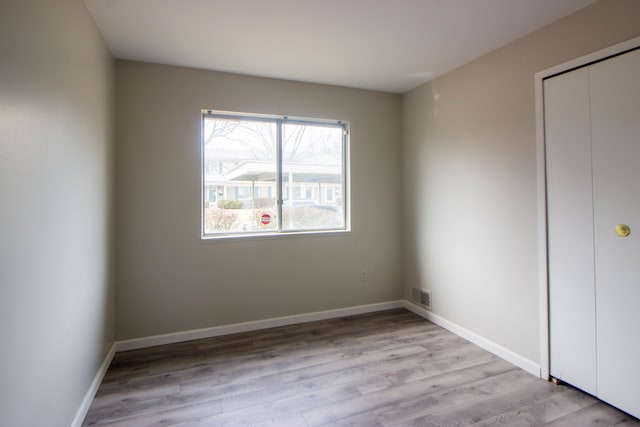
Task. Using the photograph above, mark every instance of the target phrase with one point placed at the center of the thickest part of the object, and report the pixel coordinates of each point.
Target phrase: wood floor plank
(542, 412)
(394, 397)
(465, 406)
(340, 363)
(389, 368)
(282, 409)
(134, 408)
(164, 417)
(598, 414)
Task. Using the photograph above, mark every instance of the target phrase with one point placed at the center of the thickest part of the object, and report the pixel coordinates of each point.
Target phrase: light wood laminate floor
(390, 368)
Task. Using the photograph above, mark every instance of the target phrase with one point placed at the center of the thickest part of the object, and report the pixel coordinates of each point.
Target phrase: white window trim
(280, 233)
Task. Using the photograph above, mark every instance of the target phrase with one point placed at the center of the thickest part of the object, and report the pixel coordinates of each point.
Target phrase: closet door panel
(570, 230)
(615, 126)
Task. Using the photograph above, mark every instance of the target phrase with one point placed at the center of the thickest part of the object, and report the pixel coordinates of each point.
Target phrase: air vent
(422, 297)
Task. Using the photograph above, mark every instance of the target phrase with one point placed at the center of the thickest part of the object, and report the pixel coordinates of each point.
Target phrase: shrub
(219, 220)
(229, 204)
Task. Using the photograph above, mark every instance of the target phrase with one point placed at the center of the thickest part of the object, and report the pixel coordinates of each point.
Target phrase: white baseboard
(93, 388)
(506, 354)
(252, 326)
(235, 328)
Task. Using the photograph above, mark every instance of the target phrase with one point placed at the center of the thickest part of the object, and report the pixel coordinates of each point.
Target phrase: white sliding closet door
(572, 302)
(615, 132)
(592, 140)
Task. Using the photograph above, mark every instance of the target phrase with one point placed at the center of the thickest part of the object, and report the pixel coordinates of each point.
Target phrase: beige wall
(470, 178)
(56, 142)
(168, 280)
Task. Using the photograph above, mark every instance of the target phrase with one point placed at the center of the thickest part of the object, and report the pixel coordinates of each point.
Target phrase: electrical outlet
(363, 276)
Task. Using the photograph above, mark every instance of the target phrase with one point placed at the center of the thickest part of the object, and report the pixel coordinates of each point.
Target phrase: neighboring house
(228, 176)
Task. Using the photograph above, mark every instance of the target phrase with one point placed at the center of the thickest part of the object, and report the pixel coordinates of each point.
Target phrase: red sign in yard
(265, 218)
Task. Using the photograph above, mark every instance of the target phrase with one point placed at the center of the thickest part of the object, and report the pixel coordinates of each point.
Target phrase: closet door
(572, 321)
(615, 130)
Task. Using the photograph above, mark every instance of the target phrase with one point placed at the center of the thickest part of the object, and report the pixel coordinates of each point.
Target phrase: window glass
(312, 157)
(240, 163)
(272, 175)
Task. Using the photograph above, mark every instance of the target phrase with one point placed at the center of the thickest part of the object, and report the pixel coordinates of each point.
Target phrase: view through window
(271, 175)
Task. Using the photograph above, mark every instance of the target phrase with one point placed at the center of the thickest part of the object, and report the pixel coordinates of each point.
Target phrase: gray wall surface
(470, 195)
(168, 280)
(56, 172)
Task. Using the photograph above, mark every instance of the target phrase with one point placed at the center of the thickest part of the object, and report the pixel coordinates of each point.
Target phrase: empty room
(306, 213)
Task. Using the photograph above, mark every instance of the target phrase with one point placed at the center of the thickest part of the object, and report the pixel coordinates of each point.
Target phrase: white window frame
(279, 121)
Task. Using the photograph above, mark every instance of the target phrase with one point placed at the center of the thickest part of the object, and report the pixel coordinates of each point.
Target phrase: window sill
(267, 235)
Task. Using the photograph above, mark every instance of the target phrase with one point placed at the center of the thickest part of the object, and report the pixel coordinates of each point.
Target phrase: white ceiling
(385, 45)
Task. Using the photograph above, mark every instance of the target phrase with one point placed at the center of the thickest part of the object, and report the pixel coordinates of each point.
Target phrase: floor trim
(500, 351)
(506, 354)
(252, 326)
(93, 388)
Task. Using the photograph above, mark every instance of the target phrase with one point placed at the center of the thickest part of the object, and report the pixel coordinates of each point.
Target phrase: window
(272, 175)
